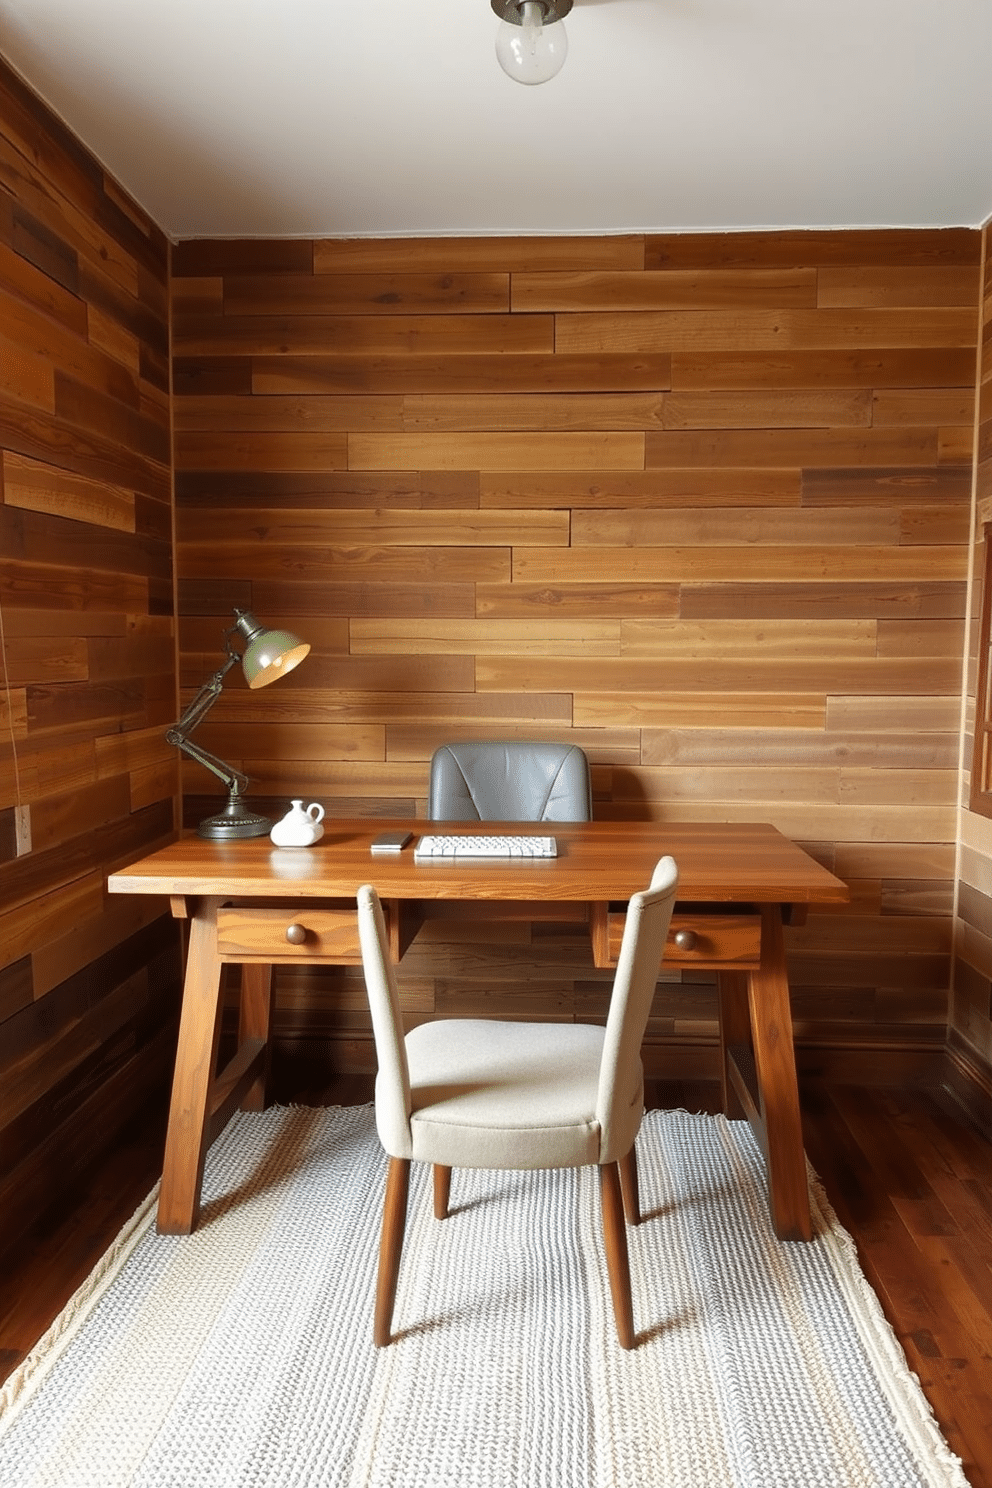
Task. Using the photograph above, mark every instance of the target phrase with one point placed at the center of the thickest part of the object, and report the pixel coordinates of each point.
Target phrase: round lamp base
(234, 822)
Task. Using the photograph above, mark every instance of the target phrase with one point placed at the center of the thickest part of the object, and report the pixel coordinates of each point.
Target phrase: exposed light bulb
(531, 52)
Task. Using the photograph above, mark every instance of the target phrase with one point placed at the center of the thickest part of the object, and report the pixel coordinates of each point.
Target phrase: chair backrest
(514, 781)
(392, 1090)
(648, 915)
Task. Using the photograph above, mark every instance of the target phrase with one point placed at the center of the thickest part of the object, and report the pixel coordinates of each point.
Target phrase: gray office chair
(516, 781)
(479, 1093)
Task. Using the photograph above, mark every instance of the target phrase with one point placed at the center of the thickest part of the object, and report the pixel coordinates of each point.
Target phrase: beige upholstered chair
(510, 781)
(479, 1093)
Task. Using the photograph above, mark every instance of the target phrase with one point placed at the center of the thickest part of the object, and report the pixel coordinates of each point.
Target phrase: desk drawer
(718, 940)
(296, 933)
(724, 941)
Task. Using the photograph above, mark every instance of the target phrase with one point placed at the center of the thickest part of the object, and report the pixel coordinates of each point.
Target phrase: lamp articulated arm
(235, 780)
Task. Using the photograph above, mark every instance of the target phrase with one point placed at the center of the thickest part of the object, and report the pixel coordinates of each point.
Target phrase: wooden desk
(259, 906)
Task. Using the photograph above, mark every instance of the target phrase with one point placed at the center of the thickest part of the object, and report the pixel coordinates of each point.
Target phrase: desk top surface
(732, 862)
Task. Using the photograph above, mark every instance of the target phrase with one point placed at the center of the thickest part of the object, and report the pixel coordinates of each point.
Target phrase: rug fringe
(30, 1374)
(902, 1386)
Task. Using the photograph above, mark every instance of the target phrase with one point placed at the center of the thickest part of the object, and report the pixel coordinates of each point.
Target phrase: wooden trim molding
(969, 1080)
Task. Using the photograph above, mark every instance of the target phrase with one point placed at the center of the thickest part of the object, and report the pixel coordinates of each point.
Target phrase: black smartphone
(390, 842)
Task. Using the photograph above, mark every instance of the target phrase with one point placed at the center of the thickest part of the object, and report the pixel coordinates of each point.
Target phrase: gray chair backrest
(515, 781)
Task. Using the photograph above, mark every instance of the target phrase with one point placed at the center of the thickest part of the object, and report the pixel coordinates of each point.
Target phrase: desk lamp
(267, 654)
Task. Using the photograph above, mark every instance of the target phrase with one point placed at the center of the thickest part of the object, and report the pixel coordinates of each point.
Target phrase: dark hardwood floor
(908, 1175)
(911, 1180)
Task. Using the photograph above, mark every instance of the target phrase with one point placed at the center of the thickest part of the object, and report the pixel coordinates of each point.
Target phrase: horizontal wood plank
(486, 637)
(812, 598)
(803, 448)
(417, 529)
(580, 451)
(898, 247)
(400, 704)
(454, 373)
(251, 450)
(403, 489)
(445, 564)
(900, 676)
(43, 659)
(921, 638)
(701, 710)
(419, 741)
(753, 527)
(28, 281)
(772, 409)
(913, 407)
(757, 330)
(38, 486)
(687, 487)
(738, 746)
(365, 294)
(345, 599)
(230, 414)
(26, 377)
(747, 638)
(502, 254)
(540, 602)
(882, 367)
(400, 529)
(383, 335)
(872, 285)
(714, 564)
(896, 486)
(665, 289)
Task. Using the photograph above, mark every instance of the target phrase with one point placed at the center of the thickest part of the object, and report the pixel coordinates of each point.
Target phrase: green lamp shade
(272, 654)
(268, 654)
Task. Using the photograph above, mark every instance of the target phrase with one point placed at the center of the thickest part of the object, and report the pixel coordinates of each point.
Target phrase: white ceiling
(392, 117)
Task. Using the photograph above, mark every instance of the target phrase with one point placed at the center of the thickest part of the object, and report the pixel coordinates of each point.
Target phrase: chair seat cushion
(487, 1094)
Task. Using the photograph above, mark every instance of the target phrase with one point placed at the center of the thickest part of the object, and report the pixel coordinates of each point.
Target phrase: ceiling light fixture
(531, 45)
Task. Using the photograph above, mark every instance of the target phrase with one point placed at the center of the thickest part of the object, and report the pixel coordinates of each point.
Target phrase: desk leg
(735, 1033)
(196, 1056)
(775, 1065)
(254, 1023)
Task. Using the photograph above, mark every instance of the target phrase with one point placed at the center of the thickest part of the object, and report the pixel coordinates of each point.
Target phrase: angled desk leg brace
(203, 1102)
(759, 1074)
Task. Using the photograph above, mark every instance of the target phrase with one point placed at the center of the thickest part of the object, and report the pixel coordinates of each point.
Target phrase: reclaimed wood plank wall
(698, 503)
(971, 1009)
(87, 985)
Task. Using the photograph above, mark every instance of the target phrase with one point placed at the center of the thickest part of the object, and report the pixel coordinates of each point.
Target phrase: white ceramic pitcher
(300, 827)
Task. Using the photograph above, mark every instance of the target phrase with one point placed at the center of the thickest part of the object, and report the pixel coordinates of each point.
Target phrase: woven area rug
(241, 1356)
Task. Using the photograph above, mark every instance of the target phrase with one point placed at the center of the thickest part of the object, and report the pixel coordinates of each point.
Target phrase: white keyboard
(432, 848)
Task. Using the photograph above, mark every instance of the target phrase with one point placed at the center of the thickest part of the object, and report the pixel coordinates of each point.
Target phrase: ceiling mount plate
(509, 10)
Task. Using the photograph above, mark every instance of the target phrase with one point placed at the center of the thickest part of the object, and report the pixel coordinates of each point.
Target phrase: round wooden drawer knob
(686, 939)
(296, 934)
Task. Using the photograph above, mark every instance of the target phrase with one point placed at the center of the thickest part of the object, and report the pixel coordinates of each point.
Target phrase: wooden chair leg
(442, 1191)
(631, 1187)
(617, 1261)
(391, 1246)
